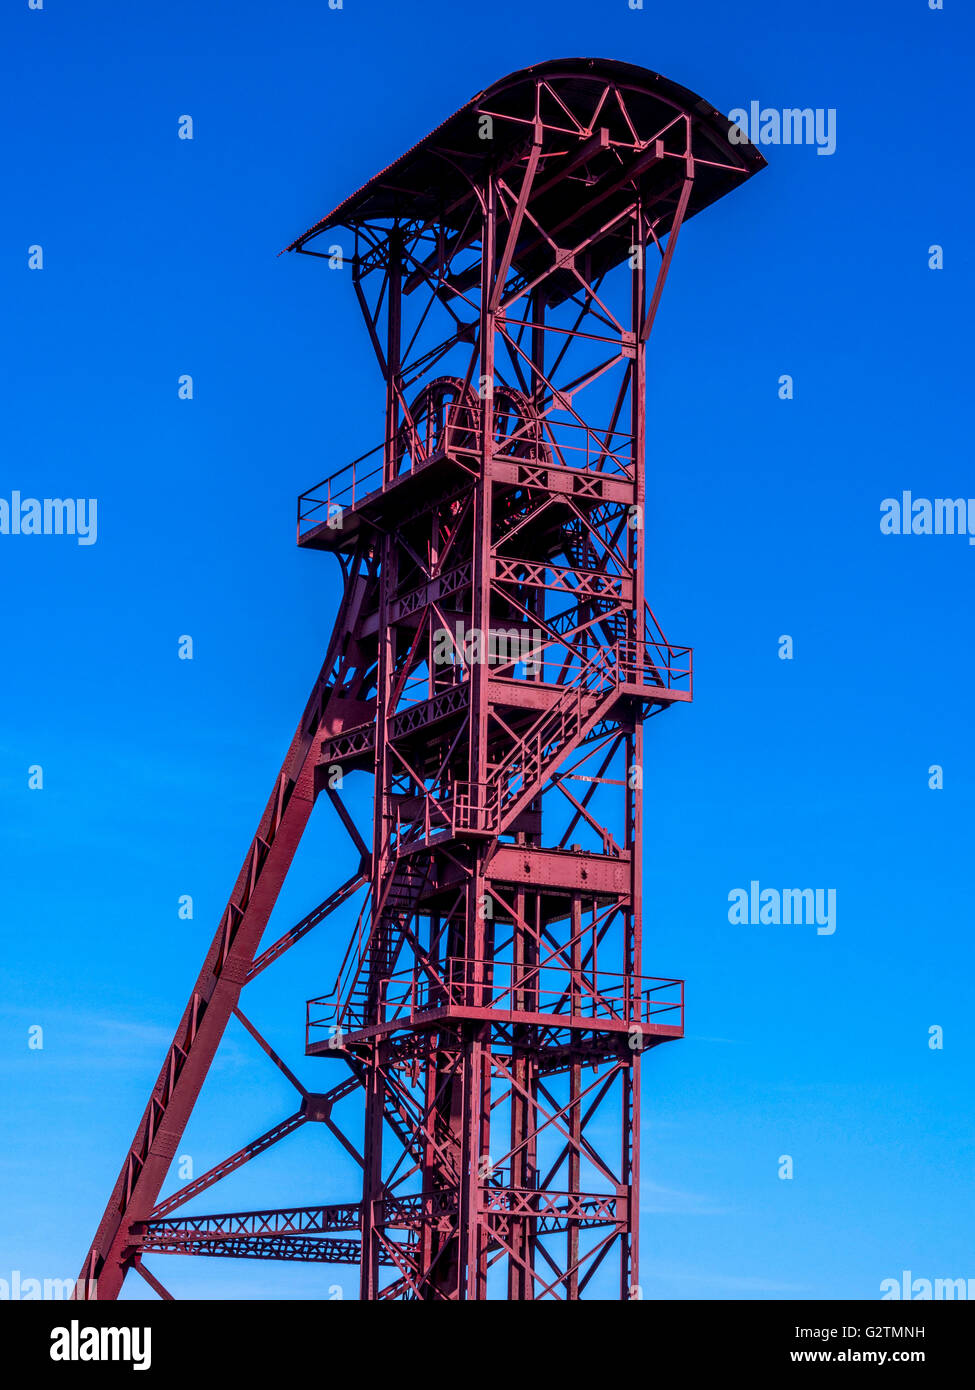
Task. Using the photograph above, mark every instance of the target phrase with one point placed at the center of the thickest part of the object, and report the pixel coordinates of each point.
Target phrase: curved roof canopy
(602, 116)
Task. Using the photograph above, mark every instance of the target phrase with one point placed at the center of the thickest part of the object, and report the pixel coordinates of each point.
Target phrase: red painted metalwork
(492, 666)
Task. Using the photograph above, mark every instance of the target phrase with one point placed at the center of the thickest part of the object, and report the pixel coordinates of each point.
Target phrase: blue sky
(160, 259)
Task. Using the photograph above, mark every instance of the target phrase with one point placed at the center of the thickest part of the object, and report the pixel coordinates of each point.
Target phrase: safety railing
(325, 502)
(475, 807)
(542, 439)
(655, 664)
(552, 991)
(533, 657)
(457, 808)
(647, 662)
(566, 443)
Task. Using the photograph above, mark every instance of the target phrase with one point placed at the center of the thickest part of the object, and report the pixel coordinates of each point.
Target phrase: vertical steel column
(383, 864)
(630, 1145)
(575, 1113)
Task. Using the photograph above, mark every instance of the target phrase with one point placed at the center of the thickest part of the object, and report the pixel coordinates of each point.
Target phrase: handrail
(423, 987)
(573, 691)
(342, 491)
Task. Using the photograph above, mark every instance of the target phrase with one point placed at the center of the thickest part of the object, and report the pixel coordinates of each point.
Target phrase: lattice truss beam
(492, 666)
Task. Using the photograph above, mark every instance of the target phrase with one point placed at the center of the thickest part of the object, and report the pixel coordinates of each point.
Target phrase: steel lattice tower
(493, 664)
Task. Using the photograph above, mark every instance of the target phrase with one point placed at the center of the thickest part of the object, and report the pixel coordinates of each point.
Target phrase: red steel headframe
(493, 663)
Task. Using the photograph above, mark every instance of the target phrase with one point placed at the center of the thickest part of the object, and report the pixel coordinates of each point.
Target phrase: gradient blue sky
(160, 259)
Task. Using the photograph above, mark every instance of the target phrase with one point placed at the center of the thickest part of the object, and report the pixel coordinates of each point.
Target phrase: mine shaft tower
(492, 667)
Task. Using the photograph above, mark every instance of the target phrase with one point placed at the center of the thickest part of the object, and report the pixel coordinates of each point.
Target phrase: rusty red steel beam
(153, 1282)
(212, 1002)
